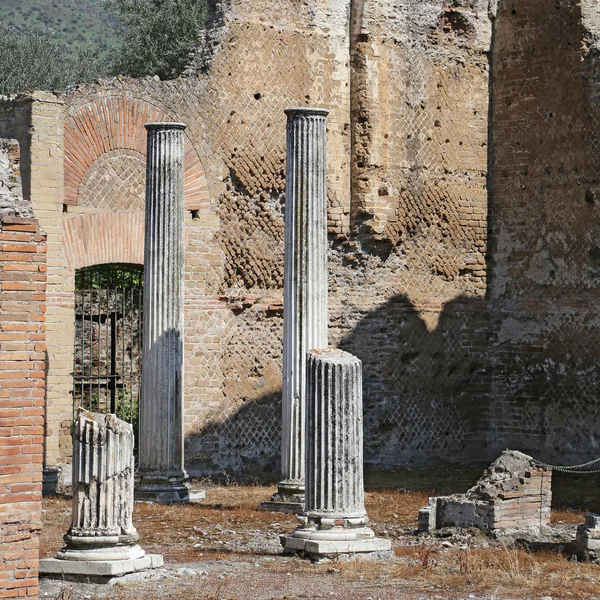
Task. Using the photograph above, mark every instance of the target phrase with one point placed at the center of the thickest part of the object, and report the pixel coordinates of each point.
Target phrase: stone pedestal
(588, 539)
(334, 523)
(162, 477)
(102, 539)
(305, 289)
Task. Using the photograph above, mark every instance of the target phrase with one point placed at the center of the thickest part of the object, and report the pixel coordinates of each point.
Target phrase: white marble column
(335, 520)
(162, 477)
(101, 542)
(305, 289)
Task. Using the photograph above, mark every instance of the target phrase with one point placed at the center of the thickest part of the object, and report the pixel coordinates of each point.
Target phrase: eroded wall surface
(545, 226)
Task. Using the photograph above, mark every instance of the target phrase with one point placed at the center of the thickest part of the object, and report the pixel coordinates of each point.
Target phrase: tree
(29, 61)
(159, 35)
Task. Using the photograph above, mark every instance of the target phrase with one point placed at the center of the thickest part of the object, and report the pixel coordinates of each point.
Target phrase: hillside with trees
(53, 44)
(73, 23)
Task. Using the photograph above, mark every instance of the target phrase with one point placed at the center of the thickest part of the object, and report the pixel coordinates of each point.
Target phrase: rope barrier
(573, 469)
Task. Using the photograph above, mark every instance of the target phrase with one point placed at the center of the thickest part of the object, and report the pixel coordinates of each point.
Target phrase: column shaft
(103, 475)
(334, 445)
(305, 284)
(161, 404)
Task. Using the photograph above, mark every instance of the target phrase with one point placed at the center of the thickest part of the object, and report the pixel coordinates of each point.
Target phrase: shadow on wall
(520, 369)
(426, 397)
(545, 224)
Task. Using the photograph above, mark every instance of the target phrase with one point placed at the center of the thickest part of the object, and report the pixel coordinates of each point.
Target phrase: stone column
(102, 539)
(335, 520)
(305, 289)
(161, 471)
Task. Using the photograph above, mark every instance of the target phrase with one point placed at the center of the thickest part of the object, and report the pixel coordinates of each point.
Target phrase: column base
(114, 553)
(289, 498)
(164, 490)
(337, 543)
(97, 571)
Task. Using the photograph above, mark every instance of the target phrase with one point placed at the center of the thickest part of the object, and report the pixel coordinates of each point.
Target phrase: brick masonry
(22, 392)
(462, 220)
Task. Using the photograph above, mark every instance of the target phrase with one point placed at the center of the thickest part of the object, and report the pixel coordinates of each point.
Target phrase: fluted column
(101, 542)
(162, 474)
(305, 288)
(334, 444)
(335, 520)
(103, 472)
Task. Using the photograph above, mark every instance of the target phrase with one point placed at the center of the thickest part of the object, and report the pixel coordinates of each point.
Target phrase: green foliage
(72, 23)
(110, 276)
(160, 34)
(128, 408)
(29, 61)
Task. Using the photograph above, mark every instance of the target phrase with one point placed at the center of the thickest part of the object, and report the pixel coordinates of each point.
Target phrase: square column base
(165, 491)
(365, 549)
(289, 498)
(96, 571)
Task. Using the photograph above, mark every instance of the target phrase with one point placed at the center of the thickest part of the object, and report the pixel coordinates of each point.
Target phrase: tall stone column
(101, 541)
(335, 520)
(305, 289)
(162, 477)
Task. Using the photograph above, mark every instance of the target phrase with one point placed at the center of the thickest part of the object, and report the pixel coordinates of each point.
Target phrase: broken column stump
(514, 492)
(101, 542)
(334, 523)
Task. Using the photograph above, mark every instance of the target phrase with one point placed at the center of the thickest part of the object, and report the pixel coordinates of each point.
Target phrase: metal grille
(108, 340)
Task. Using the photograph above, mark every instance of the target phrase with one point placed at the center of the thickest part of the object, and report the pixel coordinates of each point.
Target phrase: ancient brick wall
(462, 219)
(36, 121)
(544, 229)
(22, 393)
(234, 250)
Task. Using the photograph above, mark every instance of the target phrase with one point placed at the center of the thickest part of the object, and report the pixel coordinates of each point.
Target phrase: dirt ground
(226, 549)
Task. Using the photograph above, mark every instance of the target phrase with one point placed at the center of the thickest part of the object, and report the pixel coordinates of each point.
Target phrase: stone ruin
(334, 522)
(514, 492)
(588, 539)
(101, 542)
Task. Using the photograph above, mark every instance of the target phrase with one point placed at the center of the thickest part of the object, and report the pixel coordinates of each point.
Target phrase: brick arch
(117, 123)
(106, 237)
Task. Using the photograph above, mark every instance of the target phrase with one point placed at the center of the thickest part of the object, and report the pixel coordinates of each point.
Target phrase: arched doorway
(108, 339)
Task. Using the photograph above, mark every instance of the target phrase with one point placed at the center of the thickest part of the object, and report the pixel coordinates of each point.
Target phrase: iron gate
(108, 340)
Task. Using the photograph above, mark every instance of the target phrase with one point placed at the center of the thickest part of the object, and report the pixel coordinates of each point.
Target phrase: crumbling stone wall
(514, 492)
(11, 192)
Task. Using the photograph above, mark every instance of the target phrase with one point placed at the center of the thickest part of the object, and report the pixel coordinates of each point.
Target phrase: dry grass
(196, 533)
(498, 572)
